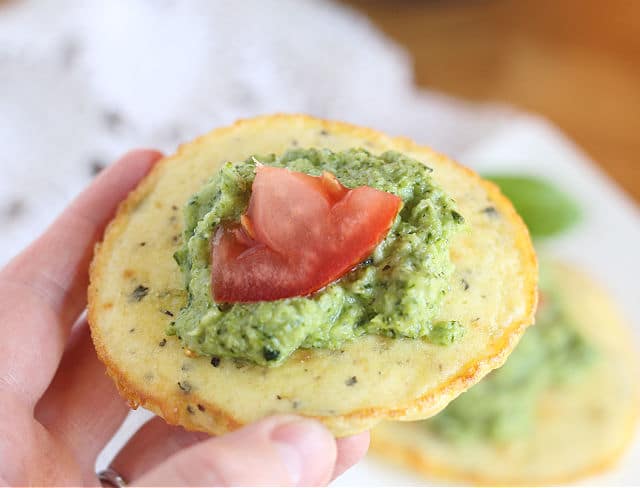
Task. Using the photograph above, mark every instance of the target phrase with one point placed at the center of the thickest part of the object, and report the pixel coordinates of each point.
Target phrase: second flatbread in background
(580, 424)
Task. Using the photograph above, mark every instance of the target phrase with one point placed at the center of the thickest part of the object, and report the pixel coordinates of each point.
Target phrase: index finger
(43, 289)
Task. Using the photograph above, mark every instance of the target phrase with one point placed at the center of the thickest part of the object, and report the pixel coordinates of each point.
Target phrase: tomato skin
(299, 234)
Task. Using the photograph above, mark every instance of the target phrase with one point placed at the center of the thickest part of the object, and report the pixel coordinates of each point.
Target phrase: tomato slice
(299, 234)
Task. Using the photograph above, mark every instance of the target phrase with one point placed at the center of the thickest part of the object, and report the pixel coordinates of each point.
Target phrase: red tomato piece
(299, 234)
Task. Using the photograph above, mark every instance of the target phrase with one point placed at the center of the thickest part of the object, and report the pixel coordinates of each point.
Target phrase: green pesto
(502, 406)
(396, 292)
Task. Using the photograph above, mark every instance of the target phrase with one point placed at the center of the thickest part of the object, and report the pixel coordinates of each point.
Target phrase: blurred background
(547, 88)
(577, 62)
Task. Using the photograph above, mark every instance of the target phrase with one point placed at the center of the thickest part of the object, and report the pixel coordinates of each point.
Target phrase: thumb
(282, 450)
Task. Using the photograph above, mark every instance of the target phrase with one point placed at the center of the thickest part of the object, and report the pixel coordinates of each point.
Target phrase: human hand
(59, 408)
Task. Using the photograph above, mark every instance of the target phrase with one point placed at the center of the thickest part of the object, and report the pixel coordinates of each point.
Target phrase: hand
(59, 408)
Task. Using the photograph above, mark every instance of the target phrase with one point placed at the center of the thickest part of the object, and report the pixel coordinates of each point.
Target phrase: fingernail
(298, 443)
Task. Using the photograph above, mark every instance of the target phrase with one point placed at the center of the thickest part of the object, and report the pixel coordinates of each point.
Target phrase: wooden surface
(577, 62)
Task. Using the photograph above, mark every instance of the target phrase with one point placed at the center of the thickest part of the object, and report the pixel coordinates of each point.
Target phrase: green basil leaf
(545, 208)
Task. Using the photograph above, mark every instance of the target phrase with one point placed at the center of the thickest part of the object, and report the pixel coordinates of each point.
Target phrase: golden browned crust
(219, 419)
(407, 448)
(415, 460)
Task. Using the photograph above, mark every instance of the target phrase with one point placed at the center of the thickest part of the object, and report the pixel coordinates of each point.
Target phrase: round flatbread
(135, 284)
(582, 427)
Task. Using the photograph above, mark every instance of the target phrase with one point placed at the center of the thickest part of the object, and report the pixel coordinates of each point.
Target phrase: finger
(283, 450)
(43, 290)
(155, 442)
(350, 451)
(93, 409)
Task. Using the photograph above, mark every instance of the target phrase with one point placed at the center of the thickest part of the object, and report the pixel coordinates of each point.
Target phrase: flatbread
(493, 294)
(581, 429)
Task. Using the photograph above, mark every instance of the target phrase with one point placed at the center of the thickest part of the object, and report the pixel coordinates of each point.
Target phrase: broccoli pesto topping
(396, 292)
